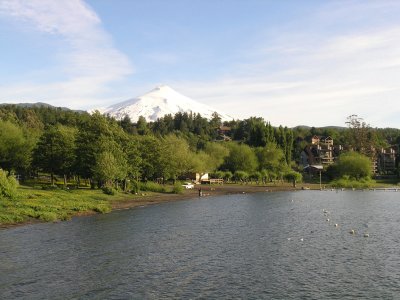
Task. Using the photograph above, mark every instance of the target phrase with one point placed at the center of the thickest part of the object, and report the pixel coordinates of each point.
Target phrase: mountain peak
(160, 101)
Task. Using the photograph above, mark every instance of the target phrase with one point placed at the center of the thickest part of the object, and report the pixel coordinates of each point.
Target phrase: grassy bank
(37, 204)
(52, 205)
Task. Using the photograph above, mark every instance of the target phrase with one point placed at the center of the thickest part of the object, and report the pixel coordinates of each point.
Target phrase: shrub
(8, 186)
(48, 216)
(50, 187)
(109, 191)
(135, 187)
(177, 189)
(347, 182)
(152, 187)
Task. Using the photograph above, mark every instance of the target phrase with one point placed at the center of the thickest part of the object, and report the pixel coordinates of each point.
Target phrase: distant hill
(323, 127)
(38, 104)
(159, 102)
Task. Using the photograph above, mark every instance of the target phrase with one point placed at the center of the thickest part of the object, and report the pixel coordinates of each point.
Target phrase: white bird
(336, 225)
(366, 234)
(301, 240)
(352, 231)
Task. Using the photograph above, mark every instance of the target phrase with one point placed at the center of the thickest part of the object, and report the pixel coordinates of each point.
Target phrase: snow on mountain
(159, 102)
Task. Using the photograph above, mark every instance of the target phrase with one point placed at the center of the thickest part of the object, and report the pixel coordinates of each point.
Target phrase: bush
(347, 182)
(152, 187)
(109, 191)
(8, 186)
(48, 216)
(135, 187)
(50, 187)
(177, 189)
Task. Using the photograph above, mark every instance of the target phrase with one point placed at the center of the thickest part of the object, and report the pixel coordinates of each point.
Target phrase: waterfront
(265, 245)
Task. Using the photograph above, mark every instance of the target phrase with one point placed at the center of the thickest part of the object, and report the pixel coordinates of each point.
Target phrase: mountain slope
(159, 102)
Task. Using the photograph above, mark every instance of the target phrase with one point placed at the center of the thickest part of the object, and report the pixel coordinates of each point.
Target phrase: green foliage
(227, 175)
(152, 187)
(15, 147)
(352, 164)
(241, 158)
(8, 186)
(256, 176)
(218, 174)
(347, 182)
(217, 153)
(270, 158)
(178, 188)
(293, 176)
(135, 188)
(108, 190)
(55, 151)
(240, 176)
(51, 205)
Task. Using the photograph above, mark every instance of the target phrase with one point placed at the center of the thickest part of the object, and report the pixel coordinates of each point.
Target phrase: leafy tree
(271, 158)
(175, 157)
(352, 164)
(360, 135)
(293, 176)
(15, 148)
(241, 158)
(240, 176)
(8, 186)
(227, 176)
(107, 169)
(55, 151)
(217, 153)
(141, 125)
(256, 176)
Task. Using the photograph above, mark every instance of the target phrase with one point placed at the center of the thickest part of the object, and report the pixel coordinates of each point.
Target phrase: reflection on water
(271, 245)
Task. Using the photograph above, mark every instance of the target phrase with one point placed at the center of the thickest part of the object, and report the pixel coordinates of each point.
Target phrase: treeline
(68, 144)
(77, 145)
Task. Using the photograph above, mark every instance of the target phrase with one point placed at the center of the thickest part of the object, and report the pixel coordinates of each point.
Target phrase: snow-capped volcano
(159, 102)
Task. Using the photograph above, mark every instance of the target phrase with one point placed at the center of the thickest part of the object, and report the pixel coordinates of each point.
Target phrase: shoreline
(208, 191)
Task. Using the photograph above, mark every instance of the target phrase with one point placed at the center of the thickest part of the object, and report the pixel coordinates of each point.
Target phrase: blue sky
(290, 62)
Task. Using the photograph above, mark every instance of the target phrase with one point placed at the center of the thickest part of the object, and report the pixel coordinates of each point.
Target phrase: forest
(78, 148)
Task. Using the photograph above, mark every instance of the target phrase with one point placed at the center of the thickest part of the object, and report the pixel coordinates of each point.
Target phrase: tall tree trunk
(65, 181)
(52, 178)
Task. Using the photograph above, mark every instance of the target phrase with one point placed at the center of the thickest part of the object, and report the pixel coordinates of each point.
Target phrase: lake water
(256, 246)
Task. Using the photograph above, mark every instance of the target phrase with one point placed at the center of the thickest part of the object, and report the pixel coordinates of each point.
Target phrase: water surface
(268, 245)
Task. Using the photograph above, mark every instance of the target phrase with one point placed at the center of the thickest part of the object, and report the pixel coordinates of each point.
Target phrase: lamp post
(320, 183)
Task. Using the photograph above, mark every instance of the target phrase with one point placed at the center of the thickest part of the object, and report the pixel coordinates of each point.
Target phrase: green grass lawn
(53, 205)
(48, 205)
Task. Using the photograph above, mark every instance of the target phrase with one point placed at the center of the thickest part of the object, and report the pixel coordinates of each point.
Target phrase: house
(197, 177)
(386, 161)
(224, 133)
(321, 152)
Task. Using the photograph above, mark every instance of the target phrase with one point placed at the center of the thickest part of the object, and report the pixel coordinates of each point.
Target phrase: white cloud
(314, 79)
(89, 60)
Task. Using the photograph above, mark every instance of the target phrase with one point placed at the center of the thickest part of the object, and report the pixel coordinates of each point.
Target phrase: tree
(353, 164)
(293, 176)
(107, 169)
(141, 125)
(360, 135)
(15, 148)
(240, 176)
(271, 158)
(8, 186)
(175, 157)
(217, 153)
(241, 158)
(55, 151)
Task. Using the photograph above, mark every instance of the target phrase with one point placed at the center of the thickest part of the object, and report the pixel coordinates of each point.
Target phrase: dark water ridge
(256, 246)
